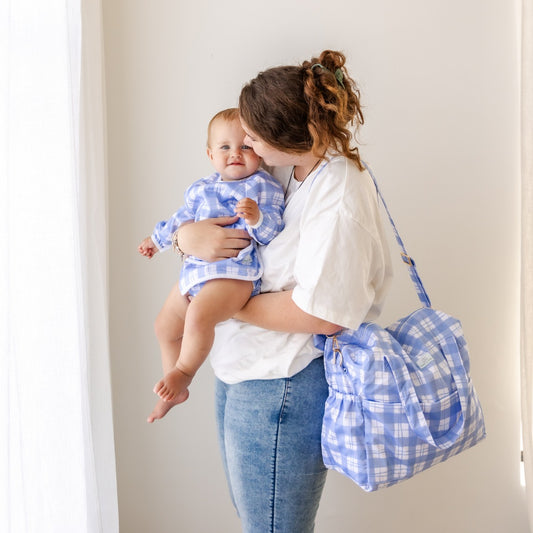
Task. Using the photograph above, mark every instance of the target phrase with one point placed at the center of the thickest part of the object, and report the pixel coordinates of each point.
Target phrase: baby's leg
(169, 332)
(169, 326)
(217, 301)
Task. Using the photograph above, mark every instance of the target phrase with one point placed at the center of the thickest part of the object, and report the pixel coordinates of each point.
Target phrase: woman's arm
(209, 240)
(277, 311)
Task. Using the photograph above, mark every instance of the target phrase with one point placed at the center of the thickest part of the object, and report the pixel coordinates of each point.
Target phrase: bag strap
(411, 403)
(406, 258)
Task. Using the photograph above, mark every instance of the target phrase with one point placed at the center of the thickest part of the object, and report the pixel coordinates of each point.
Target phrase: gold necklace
(306, 176)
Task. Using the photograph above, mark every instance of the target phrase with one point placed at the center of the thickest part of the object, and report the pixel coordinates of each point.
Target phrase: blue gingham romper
(211, 197)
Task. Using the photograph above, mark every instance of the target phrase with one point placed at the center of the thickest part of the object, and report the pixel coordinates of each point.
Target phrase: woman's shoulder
(348, 167)
(341, 172)
(346, 191)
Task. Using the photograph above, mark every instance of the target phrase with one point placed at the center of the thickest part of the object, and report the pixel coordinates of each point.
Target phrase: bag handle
(411, 403)
(406, 258)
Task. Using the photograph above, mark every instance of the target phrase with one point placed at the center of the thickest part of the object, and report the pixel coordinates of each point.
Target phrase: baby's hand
(249, 210)
(147, 248)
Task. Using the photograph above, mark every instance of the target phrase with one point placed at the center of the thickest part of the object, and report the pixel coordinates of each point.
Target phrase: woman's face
(271, 156)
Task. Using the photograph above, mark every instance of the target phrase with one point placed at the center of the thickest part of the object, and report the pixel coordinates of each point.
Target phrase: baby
(210, 293)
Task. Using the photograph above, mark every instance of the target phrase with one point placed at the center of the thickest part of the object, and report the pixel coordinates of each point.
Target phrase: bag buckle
(407, 259)
(336, 351)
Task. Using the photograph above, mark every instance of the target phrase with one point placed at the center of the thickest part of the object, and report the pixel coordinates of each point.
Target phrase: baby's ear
(209, 153)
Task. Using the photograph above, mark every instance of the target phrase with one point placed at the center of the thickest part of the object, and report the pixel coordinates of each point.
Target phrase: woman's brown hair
(305, 108)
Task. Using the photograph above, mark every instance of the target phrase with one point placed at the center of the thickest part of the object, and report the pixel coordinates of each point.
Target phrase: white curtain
(527, 248)
(57, 468)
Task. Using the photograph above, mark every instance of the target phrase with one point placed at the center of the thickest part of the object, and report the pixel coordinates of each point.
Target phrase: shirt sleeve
(342, 267)
(163, 231)
(270, 200)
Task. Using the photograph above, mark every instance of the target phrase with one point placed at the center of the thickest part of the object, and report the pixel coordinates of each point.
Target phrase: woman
(328, 269)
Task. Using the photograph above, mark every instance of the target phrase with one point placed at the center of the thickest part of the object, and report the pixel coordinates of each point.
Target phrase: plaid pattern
(211, 197)
(400, 399)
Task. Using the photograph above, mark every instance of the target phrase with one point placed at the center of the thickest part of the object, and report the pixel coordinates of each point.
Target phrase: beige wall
(440, 84)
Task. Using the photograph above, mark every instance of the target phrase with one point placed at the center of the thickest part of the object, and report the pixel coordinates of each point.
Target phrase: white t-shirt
(333, 253)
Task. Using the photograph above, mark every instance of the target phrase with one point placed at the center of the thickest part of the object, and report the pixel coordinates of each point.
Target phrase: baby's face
(232, 159)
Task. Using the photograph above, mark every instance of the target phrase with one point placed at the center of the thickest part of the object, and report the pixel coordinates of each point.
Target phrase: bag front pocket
(393, 451)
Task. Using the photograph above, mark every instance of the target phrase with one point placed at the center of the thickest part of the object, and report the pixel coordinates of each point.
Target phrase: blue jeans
(269, 435)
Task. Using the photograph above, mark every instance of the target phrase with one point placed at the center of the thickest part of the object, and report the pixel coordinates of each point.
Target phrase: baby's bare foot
(172, 385)
(162, 408)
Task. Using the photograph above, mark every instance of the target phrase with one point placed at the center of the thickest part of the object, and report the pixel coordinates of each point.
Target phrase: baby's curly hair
(305, 108)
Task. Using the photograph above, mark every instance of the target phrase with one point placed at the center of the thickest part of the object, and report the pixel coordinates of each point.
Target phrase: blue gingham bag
(400, 398)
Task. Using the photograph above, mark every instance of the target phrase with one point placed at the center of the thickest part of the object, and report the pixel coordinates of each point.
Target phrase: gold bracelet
(175, 244)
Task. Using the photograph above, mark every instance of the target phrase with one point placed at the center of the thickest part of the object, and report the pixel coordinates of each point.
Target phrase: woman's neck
(305, 166)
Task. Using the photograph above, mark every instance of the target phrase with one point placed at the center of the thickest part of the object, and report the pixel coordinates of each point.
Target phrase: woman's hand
(209, 240)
